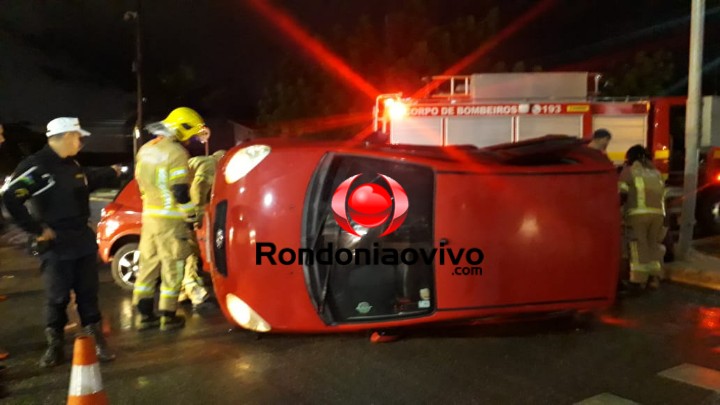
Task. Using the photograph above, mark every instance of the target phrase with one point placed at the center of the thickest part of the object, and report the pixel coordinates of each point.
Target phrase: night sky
(73, 57)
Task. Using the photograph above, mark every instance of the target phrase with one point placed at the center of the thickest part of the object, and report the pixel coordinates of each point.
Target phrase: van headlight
(244, 315)
(243, 161)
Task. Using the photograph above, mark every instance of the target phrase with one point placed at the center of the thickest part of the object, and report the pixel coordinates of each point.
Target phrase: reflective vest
(645, 189)
(162, 164)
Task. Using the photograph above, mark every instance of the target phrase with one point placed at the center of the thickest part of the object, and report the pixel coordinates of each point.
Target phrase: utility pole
(137, 68)
(692, 127)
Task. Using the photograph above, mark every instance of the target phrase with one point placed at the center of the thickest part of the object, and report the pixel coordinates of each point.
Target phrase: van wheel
(125, 264)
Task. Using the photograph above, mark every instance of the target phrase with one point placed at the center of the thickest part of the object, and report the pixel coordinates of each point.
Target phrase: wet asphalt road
(552, 362)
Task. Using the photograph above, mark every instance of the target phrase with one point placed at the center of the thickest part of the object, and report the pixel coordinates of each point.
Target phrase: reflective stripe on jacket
(645, 189)
(162, 164)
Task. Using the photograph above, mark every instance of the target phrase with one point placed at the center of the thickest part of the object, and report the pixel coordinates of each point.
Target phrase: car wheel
(125, 265)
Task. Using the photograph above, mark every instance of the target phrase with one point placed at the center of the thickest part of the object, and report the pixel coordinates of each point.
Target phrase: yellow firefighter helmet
(185, 121)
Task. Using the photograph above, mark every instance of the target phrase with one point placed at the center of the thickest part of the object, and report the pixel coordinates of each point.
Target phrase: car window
(359, 291)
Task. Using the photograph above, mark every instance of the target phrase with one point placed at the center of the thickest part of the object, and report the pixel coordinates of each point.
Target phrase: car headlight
(243, 161)
(244, 315)
(110, 227)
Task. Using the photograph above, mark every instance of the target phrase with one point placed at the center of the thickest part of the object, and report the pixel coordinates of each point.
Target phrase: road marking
(694, 375)
(606, 398)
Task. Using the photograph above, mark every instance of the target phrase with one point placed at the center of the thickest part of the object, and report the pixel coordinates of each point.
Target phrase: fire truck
(493, 108)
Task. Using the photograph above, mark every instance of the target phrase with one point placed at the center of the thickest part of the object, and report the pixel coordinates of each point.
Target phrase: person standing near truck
(600, 140)
(643, 190)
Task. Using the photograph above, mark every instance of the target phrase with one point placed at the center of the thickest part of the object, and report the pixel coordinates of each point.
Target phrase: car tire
(124, 265)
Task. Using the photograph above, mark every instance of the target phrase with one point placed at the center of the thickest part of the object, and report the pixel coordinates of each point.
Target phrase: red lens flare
(326, 59)
(532, 14)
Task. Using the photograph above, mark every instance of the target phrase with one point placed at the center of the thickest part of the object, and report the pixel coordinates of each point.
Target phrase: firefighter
(202, 170)
(643, 191)
(168, 214)
(60, 191)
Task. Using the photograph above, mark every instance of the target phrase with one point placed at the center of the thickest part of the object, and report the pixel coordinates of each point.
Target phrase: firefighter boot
(170, 321)
(148, 319)
(55, 353)
(101, 349)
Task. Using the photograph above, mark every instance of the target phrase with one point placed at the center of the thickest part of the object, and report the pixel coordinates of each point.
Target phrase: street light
(137, 68)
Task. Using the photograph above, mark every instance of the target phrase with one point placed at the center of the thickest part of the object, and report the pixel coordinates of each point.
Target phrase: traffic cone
(85, 380)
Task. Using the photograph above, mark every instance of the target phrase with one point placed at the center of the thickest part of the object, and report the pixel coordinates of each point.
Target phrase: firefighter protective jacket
(202, 170)
(59, 190)
(645, 189)
(162, 176)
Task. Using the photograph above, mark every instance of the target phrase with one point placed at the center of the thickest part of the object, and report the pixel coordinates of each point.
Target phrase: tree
(647, 74)
(393, 55)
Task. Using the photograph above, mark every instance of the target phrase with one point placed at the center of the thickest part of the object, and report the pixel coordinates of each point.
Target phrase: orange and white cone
(85, 380)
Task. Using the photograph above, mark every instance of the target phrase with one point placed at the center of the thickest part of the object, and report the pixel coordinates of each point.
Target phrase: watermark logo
(370, 205)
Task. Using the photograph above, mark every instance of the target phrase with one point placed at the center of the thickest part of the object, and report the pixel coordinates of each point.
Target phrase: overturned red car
(307, 237)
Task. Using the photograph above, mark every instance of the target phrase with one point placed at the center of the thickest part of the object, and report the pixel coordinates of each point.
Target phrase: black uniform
(59, 190)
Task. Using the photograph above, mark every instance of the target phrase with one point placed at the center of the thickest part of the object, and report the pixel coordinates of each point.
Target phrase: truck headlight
(244, 315)
(243, 161)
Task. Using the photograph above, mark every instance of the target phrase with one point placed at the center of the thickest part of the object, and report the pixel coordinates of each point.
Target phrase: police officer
(60, 190)
(202, 173)
(163, 178)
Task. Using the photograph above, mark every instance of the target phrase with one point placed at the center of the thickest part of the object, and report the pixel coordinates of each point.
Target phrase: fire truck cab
(493, 108)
